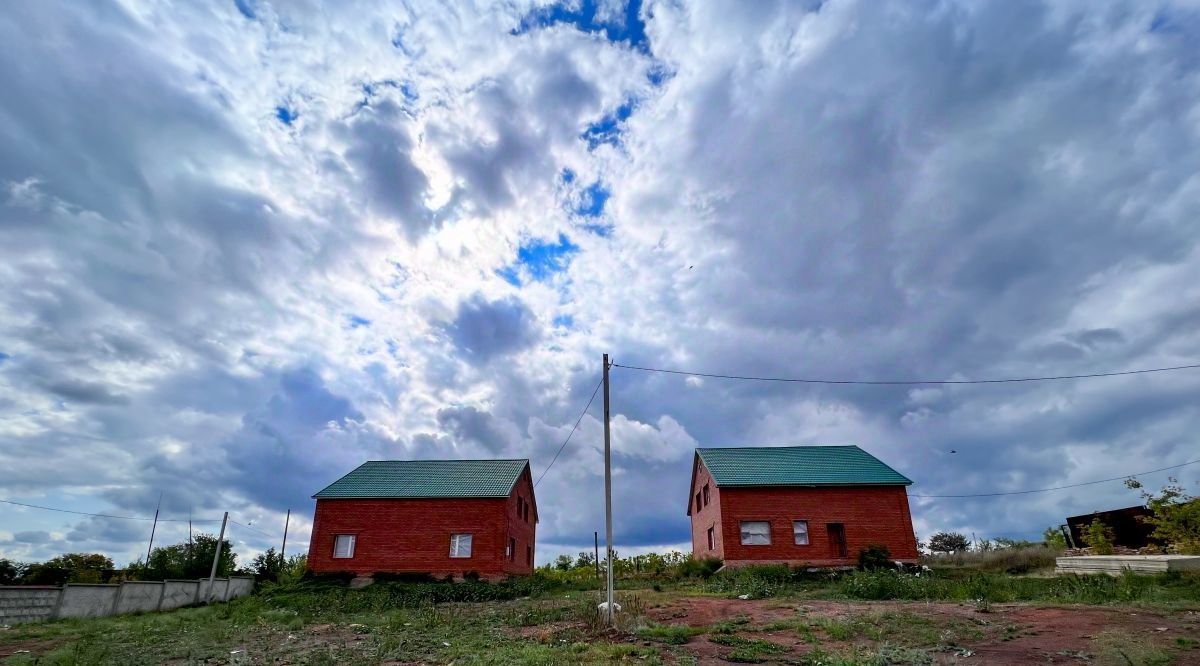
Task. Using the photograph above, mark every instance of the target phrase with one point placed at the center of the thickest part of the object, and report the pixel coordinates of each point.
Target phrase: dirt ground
(1004, 634)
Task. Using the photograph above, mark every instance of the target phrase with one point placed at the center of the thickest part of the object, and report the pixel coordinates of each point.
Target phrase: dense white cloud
(245, 246)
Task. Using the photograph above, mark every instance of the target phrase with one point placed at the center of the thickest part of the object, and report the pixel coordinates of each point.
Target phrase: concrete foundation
(1117, 564)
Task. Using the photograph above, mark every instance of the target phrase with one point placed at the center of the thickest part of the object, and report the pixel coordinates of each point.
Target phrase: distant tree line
(188, 559)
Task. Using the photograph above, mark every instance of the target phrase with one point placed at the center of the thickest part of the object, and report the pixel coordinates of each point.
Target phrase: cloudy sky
(246, 245)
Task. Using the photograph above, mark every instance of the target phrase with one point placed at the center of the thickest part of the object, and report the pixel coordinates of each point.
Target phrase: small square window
(756, 533)
(800, 532)
(706, 494)
(712, 539)
(343, 546)
(460, 545)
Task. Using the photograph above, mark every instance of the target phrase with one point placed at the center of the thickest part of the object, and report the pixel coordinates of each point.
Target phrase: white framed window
(756, 533)
(343, 546)
(460, 545)
(800, 532)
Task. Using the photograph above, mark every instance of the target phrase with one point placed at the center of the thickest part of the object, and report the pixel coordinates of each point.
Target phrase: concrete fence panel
(80, 600)
(139, 597)
(179, 593)
(240, 586)
(27, 603)
(30, 603)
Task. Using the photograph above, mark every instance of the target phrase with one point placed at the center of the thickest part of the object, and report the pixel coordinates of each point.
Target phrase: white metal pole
(608, 538)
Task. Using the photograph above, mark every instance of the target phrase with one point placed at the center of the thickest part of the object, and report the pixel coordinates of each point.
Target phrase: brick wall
(413, 535)
(708, 516)
(870, 515)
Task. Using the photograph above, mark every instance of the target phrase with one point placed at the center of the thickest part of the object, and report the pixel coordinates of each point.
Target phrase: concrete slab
(139, 597)
(1117, 564)
(28, 603)
(80, 600)
(179, 593)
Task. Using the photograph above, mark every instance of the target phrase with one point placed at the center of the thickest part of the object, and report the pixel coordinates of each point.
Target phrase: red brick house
(797, 505)
(440, 517)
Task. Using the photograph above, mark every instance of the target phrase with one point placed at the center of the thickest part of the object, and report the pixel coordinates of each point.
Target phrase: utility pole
(153, 528)
(283, 548)
(608, 538)
(217, 557)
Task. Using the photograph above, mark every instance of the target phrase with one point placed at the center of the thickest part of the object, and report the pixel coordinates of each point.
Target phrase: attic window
(706, 494)
(756, 533)
(697, 501)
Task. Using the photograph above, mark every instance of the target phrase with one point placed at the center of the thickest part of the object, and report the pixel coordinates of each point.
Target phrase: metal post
(283, 548)
(217, 557)
(597, 558)
(608, 534)
(153, 528)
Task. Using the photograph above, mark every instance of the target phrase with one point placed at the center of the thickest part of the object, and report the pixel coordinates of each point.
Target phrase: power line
(570, 434)
(906, 382)
(108, 515)
(1073, 485)
(253, 529)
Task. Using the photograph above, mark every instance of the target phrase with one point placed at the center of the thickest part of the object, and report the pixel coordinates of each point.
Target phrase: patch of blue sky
(659, 74)
(4, 357)
(246, 7)
(540, 260)
(286, 115)
(568, 176)
(628, 27)
(608, 128)
(564, 321)
(591, 203)
(356, 321)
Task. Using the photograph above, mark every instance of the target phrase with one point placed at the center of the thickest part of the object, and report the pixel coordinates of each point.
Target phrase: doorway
(837, 539)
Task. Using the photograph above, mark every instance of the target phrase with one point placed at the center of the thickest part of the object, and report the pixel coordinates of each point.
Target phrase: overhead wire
(570, 434)
(1072, 485)
(905, 382)
(109, 515)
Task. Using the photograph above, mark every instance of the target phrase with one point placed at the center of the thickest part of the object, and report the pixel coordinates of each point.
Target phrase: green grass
(321, 624)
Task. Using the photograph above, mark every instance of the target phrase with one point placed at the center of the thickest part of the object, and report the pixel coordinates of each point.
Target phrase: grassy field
(859, 618)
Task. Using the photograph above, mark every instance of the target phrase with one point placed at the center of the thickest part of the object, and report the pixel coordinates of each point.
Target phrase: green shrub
(1098, 537)
(875, 556)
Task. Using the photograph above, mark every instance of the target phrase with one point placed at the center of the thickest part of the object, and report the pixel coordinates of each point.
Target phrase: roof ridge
(448, 460)
(785, 446)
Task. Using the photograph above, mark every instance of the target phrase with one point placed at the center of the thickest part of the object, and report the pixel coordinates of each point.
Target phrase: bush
(702, 568)
(875, 556)
(1098, 537)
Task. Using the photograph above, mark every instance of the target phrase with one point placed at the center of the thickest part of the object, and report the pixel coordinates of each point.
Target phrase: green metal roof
(427, 478)
(798, 466)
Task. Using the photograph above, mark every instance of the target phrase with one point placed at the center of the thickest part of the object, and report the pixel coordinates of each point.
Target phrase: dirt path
(950, 632)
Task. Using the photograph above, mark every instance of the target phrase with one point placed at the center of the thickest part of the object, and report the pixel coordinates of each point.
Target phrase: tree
(1053, 537)
(948, 542)
(10, 572)
(1175, 516)
(267, 566)
(563, 562)
(584, 560)
(186, 560)
(1098, 537)
(69, 568)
